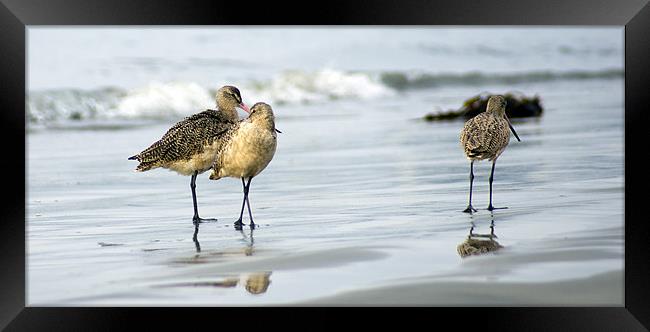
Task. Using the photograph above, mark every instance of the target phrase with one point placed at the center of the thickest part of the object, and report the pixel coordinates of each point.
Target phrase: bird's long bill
(513, 129)
(245, 108)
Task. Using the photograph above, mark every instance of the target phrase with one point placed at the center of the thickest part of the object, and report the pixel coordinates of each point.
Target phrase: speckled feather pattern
(189, 145)
(485, 136)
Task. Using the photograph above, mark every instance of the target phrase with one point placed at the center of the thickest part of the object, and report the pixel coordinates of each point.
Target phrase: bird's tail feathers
(145, 167)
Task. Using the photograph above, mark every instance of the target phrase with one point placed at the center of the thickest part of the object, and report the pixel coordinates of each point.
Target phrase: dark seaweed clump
(518, 106)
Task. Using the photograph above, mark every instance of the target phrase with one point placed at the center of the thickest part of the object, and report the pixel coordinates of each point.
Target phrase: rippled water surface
(360, 205)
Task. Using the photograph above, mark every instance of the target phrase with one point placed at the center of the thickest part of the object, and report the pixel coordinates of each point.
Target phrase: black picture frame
(15, 15)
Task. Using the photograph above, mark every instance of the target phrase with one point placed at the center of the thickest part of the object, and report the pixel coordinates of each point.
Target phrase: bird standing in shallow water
(249, 147)
(190, 146)
(486, 136)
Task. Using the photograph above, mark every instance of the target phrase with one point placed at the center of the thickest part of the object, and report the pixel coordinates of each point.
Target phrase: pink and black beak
(244, 107)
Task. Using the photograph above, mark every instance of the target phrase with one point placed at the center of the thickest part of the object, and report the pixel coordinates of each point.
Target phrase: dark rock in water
(443, 115)
(518, 106)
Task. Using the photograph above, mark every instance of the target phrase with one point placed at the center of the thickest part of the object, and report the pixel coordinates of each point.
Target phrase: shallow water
(361, 205)
(109, 73)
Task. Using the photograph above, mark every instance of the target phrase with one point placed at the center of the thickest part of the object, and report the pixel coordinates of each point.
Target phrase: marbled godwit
(485, 136)
(249, 148)
(190, 146)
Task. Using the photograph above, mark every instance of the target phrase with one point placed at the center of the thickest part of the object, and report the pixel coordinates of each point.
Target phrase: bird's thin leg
(193, 187)
(469, 208)
(239, 223)
(248, 204)
(196, 218)
(490, 207)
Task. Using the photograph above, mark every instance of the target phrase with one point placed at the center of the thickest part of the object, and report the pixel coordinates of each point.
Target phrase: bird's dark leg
(490, 207)
(239, 223)
(469, 208)
(248, 204)
(193, 187)
(196, 218)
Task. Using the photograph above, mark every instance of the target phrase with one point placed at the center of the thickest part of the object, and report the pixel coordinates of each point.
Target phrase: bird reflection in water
(254, 283)
(258, 283)
(249, 240)
(479, 244)
(195, 238)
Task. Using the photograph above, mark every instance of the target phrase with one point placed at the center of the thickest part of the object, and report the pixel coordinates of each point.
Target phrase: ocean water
(361, 204)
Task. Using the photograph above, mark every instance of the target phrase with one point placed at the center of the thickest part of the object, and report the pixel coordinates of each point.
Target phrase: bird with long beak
(249, 147)
(486, 136)
(190, 146)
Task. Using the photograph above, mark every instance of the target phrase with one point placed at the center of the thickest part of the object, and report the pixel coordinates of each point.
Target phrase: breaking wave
(154, 101)
(319, 86)
(178, 99)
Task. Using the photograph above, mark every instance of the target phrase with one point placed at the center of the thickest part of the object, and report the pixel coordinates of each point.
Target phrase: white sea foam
(318, 86)
(154, 101)
(165, 100)
(50, 106)
(174, 100)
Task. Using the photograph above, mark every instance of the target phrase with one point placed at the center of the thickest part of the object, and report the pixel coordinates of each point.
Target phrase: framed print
(403, 157)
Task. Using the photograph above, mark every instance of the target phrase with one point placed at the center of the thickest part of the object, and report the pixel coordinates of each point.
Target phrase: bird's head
(228, 98)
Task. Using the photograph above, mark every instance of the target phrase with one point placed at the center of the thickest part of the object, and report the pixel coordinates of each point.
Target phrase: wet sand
(598, 290)
(359, 206)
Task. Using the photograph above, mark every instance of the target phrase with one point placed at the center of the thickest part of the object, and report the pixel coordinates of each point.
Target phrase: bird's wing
(475, 136)
(187, 137)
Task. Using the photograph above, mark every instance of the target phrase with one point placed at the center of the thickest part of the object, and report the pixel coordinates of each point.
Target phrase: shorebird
(190, 146)
(249, 147)
(486, 136)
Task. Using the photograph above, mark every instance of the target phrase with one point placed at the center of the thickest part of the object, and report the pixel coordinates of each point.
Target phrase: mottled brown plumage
(486, 136)
(190, 146)
(186, 140)
(183, 147)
